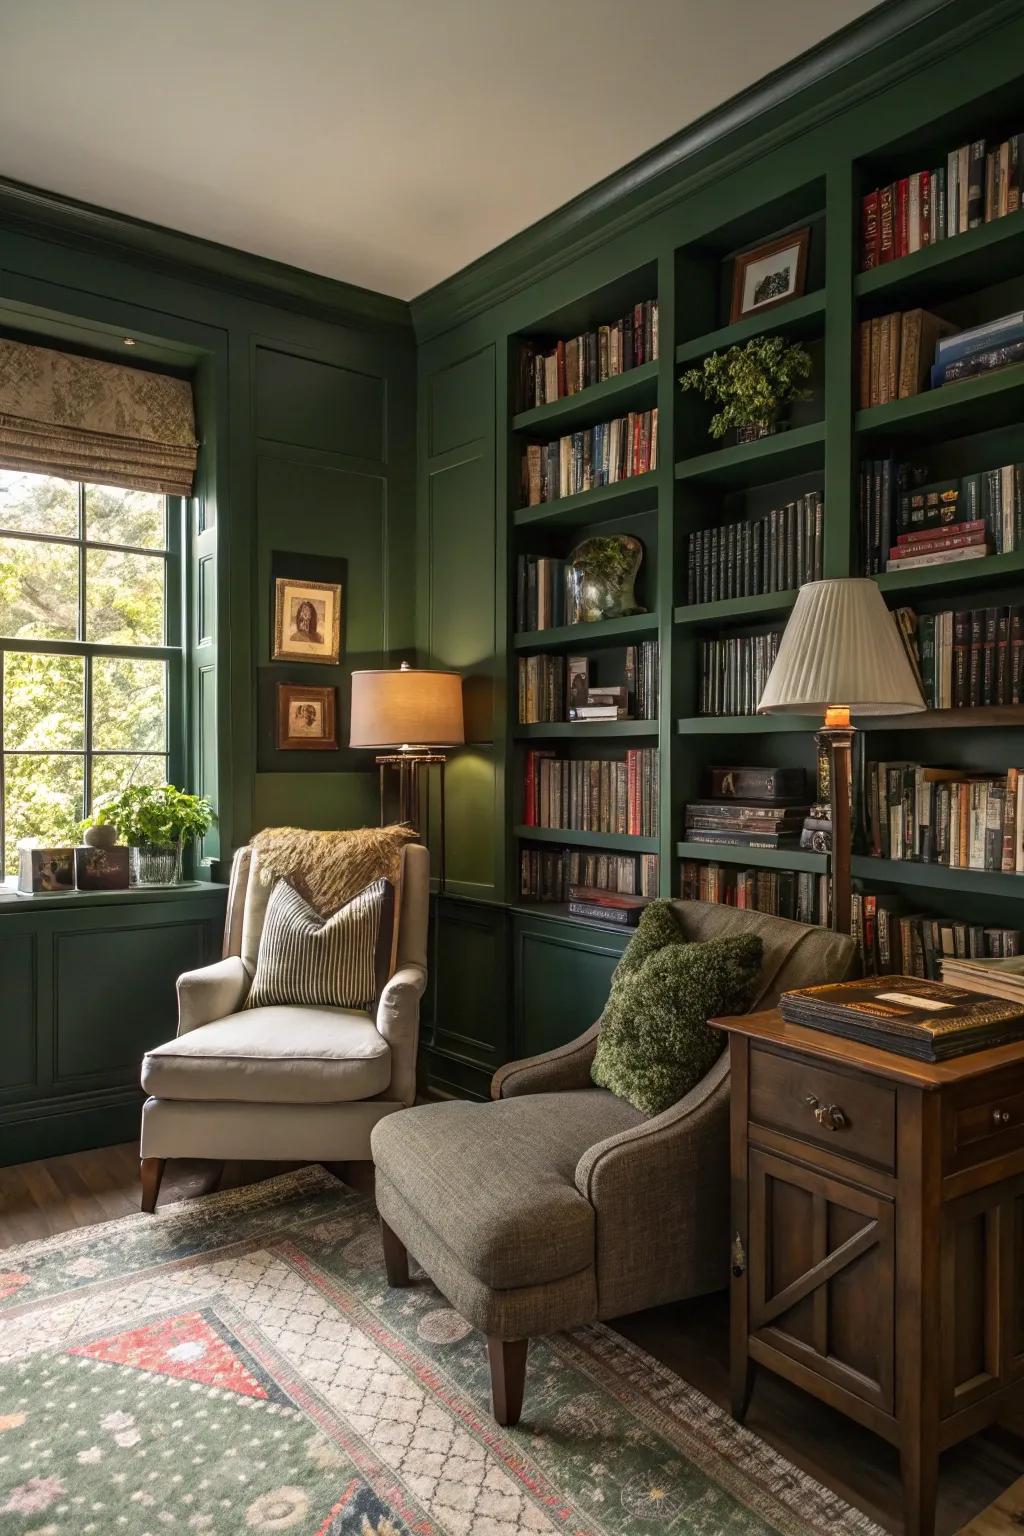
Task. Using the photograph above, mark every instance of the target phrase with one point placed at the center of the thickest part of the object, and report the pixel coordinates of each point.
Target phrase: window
(90, 685)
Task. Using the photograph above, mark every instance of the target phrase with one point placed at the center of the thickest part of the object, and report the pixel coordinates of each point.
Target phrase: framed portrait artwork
(307, 620)
(306, 718)
(769, 275)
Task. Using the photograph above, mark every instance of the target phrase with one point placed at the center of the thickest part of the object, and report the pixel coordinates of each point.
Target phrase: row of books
(890, 940)
(930, 815)
(773, 553)
(548, 874)
(798, 894)
(905, 526)
(897, 352)
(540, 592)
(978, 183)
(619, 796)
(966, 658)
(745, 823)
(558, 688)
(595, 456)
(578, 362)
(734, 670)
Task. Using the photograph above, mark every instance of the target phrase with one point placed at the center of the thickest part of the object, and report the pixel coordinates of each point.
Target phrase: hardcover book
(907, 1015)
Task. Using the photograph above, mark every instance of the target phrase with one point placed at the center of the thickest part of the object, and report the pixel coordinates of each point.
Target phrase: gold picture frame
(307, 621)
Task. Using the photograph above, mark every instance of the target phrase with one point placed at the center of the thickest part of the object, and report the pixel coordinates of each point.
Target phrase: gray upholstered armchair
(293, 1083)
(559, 1203)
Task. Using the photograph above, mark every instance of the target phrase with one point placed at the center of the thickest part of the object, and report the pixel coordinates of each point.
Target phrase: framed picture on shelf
(578, 677)
(306, 718)
(770, 274)
(307, 620)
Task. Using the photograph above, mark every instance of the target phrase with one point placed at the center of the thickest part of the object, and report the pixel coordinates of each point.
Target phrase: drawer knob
(829, 1116)
(1000, 1117)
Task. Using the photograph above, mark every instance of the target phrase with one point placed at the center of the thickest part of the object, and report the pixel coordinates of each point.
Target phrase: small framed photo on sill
(770, 274)
(306, 718)
(307, 621)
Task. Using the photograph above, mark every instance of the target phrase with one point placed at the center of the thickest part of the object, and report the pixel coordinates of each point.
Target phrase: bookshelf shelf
(638, 626)
(959, 575)
(583, 730)
(755, 858)
(560, 911)
(772, 458)
(970, 405)
(985, 716)
(745, 725)
(734, 610)
(989, 254)
(618, 842)
(962, 882)
(636, 389)
(800, 319)
(636, 494)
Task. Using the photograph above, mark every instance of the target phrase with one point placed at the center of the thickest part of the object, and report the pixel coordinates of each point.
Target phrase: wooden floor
(982, 1483)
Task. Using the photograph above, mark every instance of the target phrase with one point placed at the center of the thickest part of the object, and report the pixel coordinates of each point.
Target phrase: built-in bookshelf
(719, 501)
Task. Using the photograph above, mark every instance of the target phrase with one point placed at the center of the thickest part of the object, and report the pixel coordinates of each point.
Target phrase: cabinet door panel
(821, 1280)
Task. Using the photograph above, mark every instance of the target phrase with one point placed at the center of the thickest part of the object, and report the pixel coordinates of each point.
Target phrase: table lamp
(841, 654)
(411, 713)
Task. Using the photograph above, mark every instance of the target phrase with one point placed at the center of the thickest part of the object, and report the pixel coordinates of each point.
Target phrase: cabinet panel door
(821, 1275)
(982, 1295)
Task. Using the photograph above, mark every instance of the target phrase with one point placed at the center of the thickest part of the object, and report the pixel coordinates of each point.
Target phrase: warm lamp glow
(837, 715)
(406, 707)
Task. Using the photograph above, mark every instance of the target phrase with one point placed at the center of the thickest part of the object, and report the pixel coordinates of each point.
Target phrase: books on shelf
(548, 874)
(995, 976)
(620, 796)
(595, 456)
(926, 1020)
(896, 353)
(773, 553)
(606, 906)
(540, 689)
(558, 688)
(744, 823)
(931, 815)
(977, 183)
(966, 658)
(642, 678)
(798, 894)
(734, 670)
(576, 363)
(540, 593)
(891, 939)
(906, 525)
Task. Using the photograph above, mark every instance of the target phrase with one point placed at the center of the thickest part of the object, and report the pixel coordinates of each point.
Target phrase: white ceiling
(384, 142)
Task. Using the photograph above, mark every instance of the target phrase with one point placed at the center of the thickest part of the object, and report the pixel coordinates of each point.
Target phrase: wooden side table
(878, 1247)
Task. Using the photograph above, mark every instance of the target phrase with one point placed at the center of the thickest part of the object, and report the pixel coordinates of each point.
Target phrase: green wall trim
(866, 57)
(241, 272)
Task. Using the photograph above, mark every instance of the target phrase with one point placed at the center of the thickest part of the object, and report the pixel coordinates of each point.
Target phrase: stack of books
(557, 688)
(580, 361)
(595, 456)
(993, 978)
(896, 355)
(549, 874)
(606, 906)
(540, 593)
(889, 939)
(734, 670)
(977, 183)
(745, 823)
(980, 349)
(932, 815)
(967, 657)
(599, 703)
(773, 553)
(904, 525)
(925, 1020)
(593, 794)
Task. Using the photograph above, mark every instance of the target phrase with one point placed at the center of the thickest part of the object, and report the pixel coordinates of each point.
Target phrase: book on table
(927, 1020)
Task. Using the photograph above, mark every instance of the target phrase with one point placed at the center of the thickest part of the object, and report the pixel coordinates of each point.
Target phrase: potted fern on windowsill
(156, 821)
(754, 384)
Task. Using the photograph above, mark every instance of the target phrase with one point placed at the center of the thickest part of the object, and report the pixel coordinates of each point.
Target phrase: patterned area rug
(237, 1364)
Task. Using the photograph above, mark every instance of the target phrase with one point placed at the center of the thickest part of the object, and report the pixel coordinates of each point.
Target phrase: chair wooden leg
(508, 1378)
(396, 1258)
(151, 1170)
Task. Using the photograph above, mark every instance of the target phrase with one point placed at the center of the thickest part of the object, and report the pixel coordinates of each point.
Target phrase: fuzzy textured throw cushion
(655, 1044)
(333, 962)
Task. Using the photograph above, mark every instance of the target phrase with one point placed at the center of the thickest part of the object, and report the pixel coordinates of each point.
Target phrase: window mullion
(87, 744)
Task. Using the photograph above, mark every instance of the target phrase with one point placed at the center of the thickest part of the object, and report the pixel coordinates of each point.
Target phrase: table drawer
(852, 1116)
(984, 1121)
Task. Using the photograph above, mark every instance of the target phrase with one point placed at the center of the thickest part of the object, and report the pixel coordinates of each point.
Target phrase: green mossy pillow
(655, 1044)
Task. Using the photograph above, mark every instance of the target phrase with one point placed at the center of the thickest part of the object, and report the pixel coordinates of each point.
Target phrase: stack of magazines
(1000, 976)
(907, 1015)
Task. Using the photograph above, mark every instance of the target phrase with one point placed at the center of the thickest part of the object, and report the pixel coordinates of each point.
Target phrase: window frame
(173, 654)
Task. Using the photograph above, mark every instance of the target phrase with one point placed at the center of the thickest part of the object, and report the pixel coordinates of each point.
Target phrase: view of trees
(45, 694)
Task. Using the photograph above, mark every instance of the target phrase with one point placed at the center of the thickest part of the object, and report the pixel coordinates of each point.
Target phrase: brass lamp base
(838, 733)
(412, 766)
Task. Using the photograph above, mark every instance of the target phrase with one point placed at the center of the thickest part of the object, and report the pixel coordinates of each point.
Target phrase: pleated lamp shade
(406, 707)
(841, 648)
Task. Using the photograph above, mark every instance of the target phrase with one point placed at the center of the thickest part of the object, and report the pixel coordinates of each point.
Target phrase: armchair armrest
(661, 1193)
(398, 1021)
(566, 1067)
(211, 992)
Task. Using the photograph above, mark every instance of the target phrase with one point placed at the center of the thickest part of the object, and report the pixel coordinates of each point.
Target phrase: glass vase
(152, 865)
(600, 576)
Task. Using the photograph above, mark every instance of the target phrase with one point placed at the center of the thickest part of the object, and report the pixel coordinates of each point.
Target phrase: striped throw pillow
(332, 962)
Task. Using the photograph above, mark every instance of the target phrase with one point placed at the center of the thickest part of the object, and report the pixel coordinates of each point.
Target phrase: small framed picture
(306, 718)
(101, 869)
(307, 620)
(45, 871)
(770, 275)
(578, 677)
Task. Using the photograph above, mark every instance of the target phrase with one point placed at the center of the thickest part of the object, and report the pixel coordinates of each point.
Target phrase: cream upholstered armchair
(288, 1082)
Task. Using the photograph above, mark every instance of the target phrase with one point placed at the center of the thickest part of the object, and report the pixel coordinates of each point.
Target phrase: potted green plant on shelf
(156, 821)
(754, 384)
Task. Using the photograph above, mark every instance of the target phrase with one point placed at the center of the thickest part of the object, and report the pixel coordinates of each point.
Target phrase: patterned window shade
(84, 419)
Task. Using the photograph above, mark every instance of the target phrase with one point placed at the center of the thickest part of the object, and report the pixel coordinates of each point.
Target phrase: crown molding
(33, 211)
(712, 147)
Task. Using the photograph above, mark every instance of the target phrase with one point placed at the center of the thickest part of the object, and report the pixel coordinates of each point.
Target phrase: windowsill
(10, 901)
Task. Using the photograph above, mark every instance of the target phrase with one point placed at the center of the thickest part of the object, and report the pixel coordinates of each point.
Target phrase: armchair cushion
(275, 1055)
(496, 1183)
(341, 961)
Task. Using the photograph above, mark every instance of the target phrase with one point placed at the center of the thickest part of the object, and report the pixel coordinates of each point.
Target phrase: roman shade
(86, 419)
